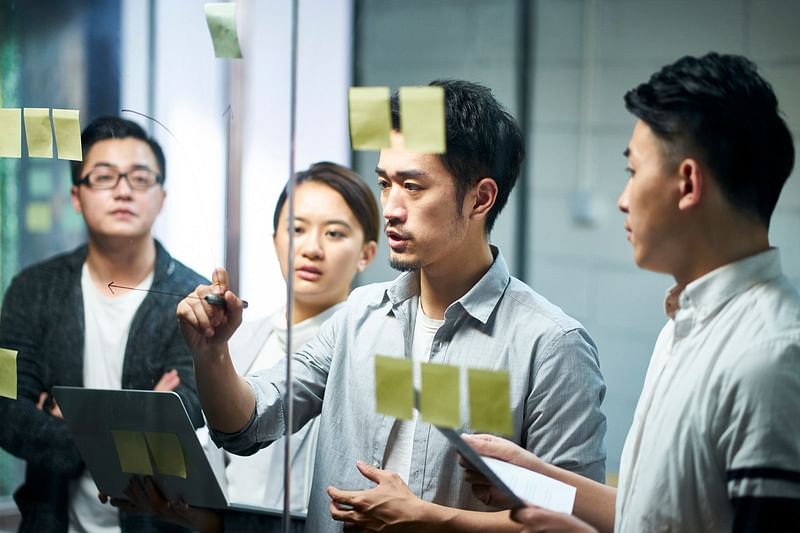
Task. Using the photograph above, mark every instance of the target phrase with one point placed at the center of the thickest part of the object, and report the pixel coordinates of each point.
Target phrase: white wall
(191, 96)
(324, 35)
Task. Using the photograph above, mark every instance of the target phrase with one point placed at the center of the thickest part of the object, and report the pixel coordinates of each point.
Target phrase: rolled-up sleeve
(310, 368)
(565, 425)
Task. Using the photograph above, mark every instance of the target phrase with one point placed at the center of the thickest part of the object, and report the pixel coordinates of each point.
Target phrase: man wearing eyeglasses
(70, 329)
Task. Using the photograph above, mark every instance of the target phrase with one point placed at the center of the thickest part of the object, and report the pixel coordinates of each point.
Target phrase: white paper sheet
(533, 487)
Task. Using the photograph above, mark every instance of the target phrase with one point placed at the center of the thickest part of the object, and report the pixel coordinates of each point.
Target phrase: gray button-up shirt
(556, 386)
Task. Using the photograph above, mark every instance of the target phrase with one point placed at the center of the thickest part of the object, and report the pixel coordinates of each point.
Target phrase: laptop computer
(97, 418)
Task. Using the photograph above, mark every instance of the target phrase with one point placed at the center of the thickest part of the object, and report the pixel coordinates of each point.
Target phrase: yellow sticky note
(370, 117)
(132, 452)
(422, 119)
(167, 454)
(8, 373)
(394, 388)
(38, 132)
(440, 395)
(11, 132)
(38, 217)
(489, 401)
(67, 124)
(221, 19)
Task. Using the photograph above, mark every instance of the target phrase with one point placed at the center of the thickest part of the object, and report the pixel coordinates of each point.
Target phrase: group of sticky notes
(39, 133)
(139, 451)
(440, 394)
(422, 120)
(8, 373)
(221, 19)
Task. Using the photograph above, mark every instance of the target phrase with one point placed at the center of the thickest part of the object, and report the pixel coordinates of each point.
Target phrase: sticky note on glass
(38, 217)
(221, 19)
(8, 373)
(489, 401)
(394, 388)
(67, 124)
(11, 132)
(167, 453)
(422, 119)
(132, 452)
(370, 118)
(440, 395)
(38, 132)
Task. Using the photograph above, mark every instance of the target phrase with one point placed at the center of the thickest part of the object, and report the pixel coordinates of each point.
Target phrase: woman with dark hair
(336, 225)
(335, 237)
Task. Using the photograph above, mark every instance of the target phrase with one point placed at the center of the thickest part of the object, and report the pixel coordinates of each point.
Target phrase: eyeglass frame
(85, 179)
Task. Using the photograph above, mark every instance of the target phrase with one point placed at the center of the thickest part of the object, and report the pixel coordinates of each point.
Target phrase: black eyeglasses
(106, 177)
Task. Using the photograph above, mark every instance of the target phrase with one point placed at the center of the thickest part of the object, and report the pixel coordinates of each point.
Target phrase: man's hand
(390, 506)
(52, 408)
(168, 382)
(538, 520)
(502, 449)
(145, 498)
(207, 327)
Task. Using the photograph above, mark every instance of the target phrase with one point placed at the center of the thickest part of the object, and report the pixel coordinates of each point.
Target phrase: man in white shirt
(70, 329)
(715, 440)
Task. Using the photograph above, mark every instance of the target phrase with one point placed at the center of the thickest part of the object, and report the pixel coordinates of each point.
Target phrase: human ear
(485, 196)
(368, 252)
(76, 200)
(690, 175)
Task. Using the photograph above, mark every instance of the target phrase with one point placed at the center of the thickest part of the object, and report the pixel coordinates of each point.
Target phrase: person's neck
(302, 311)
(725, 242)
(123, 261)
(443, 283)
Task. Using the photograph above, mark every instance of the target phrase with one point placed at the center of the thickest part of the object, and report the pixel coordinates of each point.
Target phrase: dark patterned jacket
(42, 318)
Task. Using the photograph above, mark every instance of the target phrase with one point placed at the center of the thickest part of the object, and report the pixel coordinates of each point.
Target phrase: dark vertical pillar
(102, 27)
(524, 68)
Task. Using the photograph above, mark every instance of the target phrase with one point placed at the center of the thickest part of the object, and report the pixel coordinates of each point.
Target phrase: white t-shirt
(258, 479)
(107, 322)
(401, 439)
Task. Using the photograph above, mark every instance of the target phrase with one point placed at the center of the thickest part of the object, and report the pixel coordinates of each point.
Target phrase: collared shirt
(719, 415)
(556, 386)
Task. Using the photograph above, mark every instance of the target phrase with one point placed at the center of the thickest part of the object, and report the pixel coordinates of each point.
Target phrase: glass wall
(560, 66)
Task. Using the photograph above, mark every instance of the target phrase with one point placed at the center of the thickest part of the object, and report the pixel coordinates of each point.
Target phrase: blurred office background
(560, 66)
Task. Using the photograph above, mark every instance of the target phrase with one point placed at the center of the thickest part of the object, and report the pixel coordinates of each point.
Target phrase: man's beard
(404, 266)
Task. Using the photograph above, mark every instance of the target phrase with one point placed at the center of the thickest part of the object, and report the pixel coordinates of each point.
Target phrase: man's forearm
(438, 518)
(226, 397)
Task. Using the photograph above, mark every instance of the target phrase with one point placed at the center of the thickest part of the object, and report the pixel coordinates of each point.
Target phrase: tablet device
(517, 483)
(477, 463)
(94, 416)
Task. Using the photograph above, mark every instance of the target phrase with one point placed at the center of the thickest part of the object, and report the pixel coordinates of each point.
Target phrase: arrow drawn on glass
(212, 299)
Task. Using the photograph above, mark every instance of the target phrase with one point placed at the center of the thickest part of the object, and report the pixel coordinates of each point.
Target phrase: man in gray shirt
(454, 303)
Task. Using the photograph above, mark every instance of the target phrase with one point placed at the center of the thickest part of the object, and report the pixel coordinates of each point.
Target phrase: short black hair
(351, 188)
(105, 128)
(483, 140)
(719, 110)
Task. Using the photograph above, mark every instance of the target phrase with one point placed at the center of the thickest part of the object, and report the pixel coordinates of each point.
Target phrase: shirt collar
(710, 292)
(479, 301)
